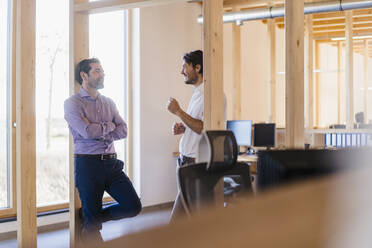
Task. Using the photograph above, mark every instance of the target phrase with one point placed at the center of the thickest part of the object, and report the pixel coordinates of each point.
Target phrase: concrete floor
(111, 230)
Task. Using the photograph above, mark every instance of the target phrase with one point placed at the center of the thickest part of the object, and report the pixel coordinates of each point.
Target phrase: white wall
(254, 72)
(166, 33)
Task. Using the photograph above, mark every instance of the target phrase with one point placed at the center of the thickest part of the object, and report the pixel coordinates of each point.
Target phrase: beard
(96, 84)
(192, 79)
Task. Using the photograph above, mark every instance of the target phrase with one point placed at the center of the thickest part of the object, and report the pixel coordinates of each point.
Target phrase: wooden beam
(309, 72)
(339, 77)
(26, 124)
(317, 84)
(349, 71)
(213, 65)
(236, 77)
(79, 49)
(341, 27)
(113, 5)
(130, 69)
(13, 80)
(294, 73)
(248, 3)
(272, 71)
(335, 22)
(329, 35)
(365, 81)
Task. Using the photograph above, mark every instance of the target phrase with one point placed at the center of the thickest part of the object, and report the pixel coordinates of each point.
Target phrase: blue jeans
(94, 176)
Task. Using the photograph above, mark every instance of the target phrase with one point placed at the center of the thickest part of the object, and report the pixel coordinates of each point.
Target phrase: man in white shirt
(191, 124)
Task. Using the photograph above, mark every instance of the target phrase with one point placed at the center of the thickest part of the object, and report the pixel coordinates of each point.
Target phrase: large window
(52, 88)
(4, 105)
(107, 43)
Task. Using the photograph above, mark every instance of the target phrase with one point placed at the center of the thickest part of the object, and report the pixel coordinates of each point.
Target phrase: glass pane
(52, 88)
(4, 105)
(107, 44)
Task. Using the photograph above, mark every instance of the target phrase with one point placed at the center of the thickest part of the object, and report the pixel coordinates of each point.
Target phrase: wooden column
(129, 48)
(366, 81)
(236, 51)
(213, 65)
(294, 73)
(339, 50)
(272, 70)
(349, 69)
(317, 84)
(309, 73)
(79, 49)
(26, 127)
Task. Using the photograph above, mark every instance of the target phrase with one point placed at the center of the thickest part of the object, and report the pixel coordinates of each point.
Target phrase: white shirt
(190, 139)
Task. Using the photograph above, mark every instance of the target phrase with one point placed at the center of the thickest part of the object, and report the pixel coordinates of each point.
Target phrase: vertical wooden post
(213, 73)
(13, 81)
(294, 73)
(309, 72)
(272, 71)
(366, 81)
(339, 50)
(349, 69)
(236, 51)
(317, 84)
(79, 49)
(26, 126)
(129, 48)
(213, 66)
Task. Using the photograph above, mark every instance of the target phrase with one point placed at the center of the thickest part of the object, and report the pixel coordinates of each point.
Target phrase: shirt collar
(84, 93)
(199, 89)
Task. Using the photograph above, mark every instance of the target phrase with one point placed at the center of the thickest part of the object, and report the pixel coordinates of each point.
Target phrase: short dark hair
(194, 58)
(84, 66)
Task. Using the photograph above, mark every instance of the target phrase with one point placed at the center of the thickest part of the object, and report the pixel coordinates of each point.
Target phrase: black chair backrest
(197, 181)
(218, 149)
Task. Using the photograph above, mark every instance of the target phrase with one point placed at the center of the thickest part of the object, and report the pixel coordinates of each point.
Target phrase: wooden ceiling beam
(112, 5)
(341, 27)
(335, 34)
(249, 3)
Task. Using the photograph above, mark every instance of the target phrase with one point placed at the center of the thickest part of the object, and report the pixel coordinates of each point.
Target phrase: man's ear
(197, 68)
(83, 75)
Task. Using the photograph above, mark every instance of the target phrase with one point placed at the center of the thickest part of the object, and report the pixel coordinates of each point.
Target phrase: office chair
(217, 158)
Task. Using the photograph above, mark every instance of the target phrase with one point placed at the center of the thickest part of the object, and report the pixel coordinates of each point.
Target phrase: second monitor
(242, 130)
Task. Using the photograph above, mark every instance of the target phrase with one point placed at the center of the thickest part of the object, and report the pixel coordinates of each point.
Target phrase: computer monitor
(242, 130)
(277, 167)
(264, 134)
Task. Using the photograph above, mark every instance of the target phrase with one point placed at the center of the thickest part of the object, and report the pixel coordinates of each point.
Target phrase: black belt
(184, 160)
(98, 156)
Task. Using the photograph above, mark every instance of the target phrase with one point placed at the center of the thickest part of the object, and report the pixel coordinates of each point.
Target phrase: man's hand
(178, 128)
(85, 119)
(173, 106)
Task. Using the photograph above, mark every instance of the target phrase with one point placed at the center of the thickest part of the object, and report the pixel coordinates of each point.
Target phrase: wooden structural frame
(26, 124)
(357, 23)
(294, 74)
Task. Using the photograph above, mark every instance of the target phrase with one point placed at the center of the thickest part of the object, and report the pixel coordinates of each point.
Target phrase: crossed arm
(111, 130)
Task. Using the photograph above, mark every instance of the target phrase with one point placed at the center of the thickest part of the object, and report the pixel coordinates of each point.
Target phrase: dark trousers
(93, 176)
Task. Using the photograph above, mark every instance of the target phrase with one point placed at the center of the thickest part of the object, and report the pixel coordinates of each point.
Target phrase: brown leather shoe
(91, 237)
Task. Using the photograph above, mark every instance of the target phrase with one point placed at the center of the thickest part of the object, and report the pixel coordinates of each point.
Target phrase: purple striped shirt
(106, 125)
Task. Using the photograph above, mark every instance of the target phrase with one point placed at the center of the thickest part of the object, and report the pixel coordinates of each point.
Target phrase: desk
(333, 212)
(252, 159)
